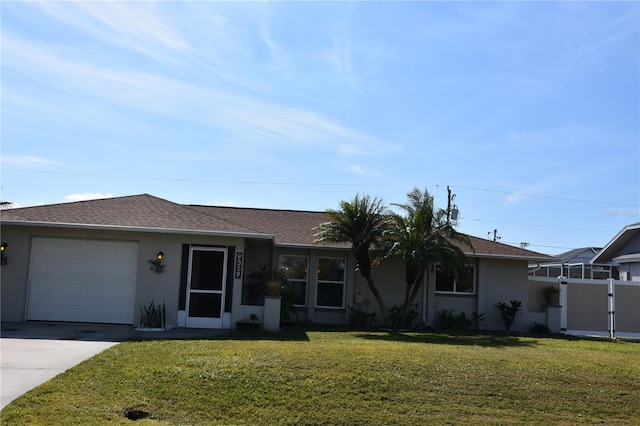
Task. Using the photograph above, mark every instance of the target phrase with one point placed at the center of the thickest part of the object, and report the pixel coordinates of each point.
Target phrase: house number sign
(238, 266)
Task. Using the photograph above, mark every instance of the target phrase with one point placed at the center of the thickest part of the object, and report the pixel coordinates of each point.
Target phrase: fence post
(562, 285)
(612, 310)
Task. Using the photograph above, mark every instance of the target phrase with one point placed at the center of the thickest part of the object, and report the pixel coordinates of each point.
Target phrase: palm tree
(423, 236)
(362, 222)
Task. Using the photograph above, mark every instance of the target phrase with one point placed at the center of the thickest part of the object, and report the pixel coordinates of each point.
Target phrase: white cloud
(87, 196)
(539, 188)
(359, 170)
(354, 168)
(242, 117)
(24, 160)
(135, 25)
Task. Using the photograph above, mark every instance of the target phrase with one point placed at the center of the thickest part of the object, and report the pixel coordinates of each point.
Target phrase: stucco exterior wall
(503, 281)
(13, 275)
(497, 280)
(150, 286)
(388, 278)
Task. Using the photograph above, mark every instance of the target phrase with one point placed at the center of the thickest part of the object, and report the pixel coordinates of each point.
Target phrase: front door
(206, 287)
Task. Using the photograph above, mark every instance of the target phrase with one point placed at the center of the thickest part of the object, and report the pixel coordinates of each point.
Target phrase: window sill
(445, 293)
(329, 309)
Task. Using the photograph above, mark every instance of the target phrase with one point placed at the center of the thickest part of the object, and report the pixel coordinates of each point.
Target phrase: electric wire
(318, 184)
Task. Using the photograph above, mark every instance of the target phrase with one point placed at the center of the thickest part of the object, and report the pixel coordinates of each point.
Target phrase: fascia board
(510, 257)
(139, 229)
(613, 241)
(311, 247)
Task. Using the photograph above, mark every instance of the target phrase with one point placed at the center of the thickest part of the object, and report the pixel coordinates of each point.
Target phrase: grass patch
(345, 377)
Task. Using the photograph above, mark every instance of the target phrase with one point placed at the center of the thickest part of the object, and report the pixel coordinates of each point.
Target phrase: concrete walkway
(35, 352)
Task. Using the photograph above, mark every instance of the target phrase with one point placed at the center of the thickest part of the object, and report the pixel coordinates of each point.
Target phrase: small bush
(448, 321)
(400, 321)
(153, 316)
(538, 328)
(509, 312)
(360, 318)
(477, 320)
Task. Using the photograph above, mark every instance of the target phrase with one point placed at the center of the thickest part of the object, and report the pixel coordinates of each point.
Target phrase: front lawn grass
(345, 377)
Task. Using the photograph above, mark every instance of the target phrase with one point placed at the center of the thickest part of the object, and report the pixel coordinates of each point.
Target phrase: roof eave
(613, 241)
(510, 257)
(311, 246)
(140, 229)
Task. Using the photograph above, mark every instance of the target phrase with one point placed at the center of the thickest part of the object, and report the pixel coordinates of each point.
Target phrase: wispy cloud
(241, 117)
(87, 196)
(541, 187)
(361, 171)
(132, 25)
(26, 160)
(339, 55)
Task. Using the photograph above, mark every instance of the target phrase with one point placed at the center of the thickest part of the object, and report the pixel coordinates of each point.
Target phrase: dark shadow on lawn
(296, 334)
(497, 340)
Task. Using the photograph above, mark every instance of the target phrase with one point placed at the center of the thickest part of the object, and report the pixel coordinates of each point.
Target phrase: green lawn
(345, 377)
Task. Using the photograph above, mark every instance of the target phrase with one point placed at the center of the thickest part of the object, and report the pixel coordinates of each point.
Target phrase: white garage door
(82, 280)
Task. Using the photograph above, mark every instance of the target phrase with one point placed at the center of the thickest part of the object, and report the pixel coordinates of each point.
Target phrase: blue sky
(529, 111)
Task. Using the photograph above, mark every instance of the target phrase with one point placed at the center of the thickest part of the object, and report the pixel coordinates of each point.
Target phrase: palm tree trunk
(417, 285)
(411, 292)
(376, 294)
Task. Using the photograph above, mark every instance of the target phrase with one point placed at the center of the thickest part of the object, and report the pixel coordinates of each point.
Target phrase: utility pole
(452, 210)
(448, 204)
(496, 236)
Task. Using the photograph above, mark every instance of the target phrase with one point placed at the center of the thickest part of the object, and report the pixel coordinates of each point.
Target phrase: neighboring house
(591, 303)
(576, 263)
(623, 250)
(90, 261)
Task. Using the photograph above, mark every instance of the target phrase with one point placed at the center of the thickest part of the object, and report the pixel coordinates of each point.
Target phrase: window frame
(298, 280)
(343, 282)
(455, 283)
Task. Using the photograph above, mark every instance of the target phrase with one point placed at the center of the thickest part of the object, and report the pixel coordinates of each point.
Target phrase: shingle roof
(577, 255)
(148, 213)
(144, 212)
(288, 227)
(488, 248)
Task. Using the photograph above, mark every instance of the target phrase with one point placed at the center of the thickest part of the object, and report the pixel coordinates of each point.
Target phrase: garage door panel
(82, 280)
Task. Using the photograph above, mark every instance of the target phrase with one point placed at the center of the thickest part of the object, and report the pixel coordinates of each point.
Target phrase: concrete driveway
(35, 352)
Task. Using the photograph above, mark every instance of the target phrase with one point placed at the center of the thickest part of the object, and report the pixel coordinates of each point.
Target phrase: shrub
(448, 321)
(477, 320)
(538, 328)
(153, 316)
(360, 318)
(509, 312)
(399, 321)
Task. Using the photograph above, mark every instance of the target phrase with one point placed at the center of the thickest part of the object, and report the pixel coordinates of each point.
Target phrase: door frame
(206, 322)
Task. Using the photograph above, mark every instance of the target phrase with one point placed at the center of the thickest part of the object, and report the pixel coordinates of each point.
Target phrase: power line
(400, 185)
(212, 180)
(535, 225)
(522, 194)
(539, 245)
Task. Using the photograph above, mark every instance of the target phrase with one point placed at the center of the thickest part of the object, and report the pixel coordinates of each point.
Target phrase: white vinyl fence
(593, 307)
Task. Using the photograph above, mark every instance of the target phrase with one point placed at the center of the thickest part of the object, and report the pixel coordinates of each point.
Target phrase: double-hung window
(331, 282)
(296, 269)
(447, 283)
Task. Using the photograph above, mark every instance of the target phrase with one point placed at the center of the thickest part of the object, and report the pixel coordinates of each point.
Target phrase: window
(296, 269)
(447, 283)
(331, 282)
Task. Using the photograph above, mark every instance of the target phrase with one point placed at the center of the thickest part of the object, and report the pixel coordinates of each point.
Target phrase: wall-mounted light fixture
(3, 257)
(156, 264)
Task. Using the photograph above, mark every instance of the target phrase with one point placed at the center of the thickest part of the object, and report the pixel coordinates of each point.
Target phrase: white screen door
(206, 286)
